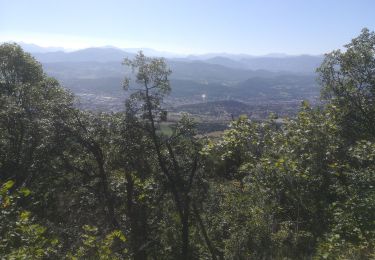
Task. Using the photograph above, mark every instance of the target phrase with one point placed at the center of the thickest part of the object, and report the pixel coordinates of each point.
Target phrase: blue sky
(189, 26)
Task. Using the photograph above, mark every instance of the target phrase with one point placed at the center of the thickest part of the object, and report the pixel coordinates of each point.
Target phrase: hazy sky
(189, 26)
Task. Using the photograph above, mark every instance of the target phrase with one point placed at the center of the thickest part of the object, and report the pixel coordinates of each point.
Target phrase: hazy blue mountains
(96, 75)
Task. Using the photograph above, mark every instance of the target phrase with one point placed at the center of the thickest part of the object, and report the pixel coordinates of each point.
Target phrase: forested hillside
(76, 184)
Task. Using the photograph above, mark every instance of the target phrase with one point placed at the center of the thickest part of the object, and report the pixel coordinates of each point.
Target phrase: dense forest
(76, 184)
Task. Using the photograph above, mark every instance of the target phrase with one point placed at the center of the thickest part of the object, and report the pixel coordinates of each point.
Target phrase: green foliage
(123, 186)
(21, 236)
(348, 83)
(31, 104)
(93, 247)
(296, 191)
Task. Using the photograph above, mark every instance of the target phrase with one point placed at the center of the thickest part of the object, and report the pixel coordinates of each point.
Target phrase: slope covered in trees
(81, 185)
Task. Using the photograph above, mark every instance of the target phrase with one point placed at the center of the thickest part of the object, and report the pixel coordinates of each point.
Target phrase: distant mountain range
(84, 55)
(33, 48)
(272, 62)
(96, 75)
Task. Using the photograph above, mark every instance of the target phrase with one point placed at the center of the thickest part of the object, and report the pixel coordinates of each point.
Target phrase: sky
(255, 27)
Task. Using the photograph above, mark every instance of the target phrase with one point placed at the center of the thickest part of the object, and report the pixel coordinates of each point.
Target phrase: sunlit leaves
(93, 246)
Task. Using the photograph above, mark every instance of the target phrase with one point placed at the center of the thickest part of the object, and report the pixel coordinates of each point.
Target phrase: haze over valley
(258, 84)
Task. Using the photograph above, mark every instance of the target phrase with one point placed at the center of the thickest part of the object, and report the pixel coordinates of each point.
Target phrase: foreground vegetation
(80, 185)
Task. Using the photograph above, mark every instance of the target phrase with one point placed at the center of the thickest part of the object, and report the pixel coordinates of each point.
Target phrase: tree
(178, 156)
(44, 141)
(348, 83)
(348, 86)
(30, 105)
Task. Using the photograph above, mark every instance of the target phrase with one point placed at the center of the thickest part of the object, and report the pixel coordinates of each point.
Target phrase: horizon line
(171, 53)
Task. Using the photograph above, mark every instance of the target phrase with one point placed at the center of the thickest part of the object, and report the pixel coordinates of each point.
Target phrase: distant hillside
(84, 70)
(227, 109)
(85, 55)
(212, 73)
(297, 64)
(33, 48)
(282, 87)
(196, 71)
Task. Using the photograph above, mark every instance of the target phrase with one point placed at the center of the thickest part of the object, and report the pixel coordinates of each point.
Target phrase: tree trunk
(138, 221)
(214, 252)
(185, 254)
(107, 196)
